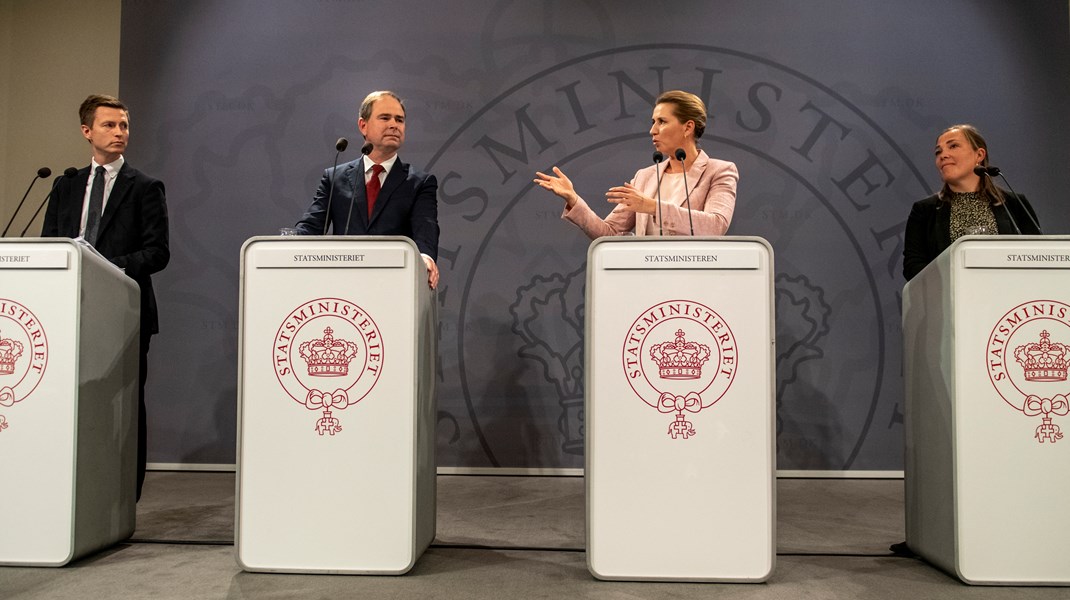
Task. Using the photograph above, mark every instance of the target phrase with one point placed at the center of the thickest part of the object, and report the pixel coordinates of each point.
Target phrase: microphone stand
(340, 147)
(365, 150)
(42, 172)
(658, 157)
(69, 173)
(680, 156)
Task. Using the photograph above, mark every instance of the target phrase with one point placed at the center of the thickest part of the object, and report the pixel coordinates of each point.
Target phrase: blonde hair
(686, 107)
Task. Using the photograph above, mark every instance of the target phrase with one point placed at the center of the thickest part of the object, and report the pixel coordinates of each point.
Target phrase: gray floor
(504, 537)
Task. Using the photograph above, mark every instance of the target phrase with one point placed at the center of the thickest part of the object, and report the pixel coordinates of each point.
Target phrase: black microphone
(680, 156)
(340, 147)
(41, 173)
(658, 157)
(365, 150)
(993, 172)
(69, 173)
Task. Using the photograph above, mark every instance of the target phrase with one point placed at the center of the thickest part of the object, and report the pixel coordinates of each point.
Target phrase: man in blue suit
(378, 194)
(123, 213)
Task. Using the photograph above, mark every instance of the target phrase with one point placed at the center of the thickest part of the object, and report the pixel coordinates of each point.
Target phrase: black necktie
(96, 206)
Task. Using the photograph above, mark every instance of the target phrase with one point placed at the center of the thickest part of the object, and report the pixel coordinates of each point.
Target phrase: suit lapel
(354, 175)
(71, 223)
(694, 175)
(119, 193)
(393, 180)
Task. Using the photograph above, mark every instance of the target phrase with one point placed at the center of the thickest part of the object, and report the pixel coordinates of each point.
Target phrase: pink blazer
(713, 199)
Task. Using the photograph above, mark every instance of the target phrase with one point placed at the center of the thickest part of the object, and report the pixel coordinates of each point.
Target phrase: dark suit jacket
(929, 228)
(407, 205)
(133, 229)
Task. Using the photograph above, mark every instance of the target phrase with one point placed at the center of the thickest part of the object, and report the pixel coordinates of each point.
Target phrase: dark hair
(369, 100)
(88, 110)
(988, 189)
(686, 107)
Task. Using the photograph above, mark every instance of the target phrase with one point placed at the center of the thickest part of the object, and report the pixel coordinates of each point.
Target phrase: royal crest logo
(327, 356)
(1027, 364)
(10, 351)
(23, 354)
(323, 344)
(680, 357)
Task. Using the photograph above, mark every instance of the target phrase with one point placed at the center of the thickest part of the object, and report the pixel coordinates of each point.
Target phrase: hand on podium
(432, 271)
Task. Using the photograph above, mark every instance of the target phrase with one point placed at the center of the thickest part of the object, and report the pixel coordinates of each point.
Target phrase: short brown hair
(369, 100)
(88, 110)
(686, 107)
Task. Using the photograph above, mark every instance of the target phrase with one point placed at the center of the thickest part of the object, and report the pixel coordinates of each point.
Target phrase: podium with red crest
(679, 408)
(68, 401)
(337, 347)
(986, 341)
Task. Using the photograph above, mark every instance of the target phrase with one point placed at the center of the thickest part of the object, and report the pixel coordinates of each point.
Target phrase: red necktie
(373, 187)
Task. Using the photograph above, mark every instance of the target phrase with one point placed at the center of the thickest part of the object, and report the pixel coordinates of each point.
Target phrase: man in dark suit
(378, 194)
(123, 214)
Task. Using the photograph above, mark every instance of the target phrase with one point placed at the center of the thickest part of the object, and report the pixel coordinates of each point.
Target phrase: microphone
(658, 157)
(680, 156)
(365, 150)
(69, 173)
(340, 147)
(41, 173)
(993, 172)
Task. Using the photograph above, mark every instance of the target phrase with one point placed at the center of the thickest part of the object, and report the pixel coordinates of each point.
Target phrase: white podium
(336, 463)
(68, 402)
(986, 330)
(680, 405)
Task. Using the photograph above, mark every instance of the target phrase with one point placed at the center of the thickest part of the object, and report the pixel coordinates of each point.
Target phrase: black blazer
(929, 228)
(133, 230)
(407, 205)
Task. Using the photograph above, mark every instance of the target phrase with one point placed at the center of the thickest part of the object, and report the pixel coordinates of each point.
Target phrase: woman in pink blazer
(678, 121)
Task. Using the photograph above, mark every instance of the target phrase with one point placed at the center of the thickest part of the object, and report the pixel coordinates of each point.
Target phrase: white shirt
(386, 164)
(111, 171)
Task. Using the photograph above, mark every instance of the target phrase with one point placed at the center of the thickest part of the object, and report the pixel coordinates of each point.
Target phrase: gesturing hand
(629, 197)
(559, 184)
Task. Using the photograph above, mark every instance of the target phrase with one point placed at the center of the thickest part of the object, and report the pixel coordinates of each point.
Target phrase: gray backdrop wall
(830, 109)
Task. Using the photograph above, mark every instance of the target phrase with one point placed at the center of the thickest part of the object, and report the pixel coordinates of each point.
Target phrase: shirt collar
(387, 164)
(111, 168)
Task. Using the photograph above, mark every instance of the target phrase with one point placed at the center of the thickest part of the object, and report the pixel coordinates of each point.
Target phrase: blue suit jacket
(407, 205)
(133, 230)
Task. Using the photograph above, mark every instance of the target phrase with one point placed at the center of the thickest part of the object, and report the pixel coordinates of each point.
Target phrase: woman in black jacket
(968, 203)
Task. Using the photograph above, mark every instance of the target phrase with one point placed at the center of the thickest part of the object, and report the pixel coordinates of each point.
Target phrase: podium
(336, 406)
(679, 407)
(986, 330)
(68, 402)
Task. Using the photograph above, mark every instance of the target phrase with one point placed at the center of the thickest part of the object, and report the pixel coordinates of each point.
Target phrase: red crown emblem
(680, 359)
(10, 351)
(1043, 360)
(328, 357)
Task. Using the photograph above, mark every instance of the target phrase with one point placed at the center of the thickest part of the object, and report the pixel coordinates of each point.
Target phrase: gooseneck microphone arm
(994, 171)
(340, 147)
(41, 173)
(658, 157)
(69, 173)
(680, 156)
(365, 150)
